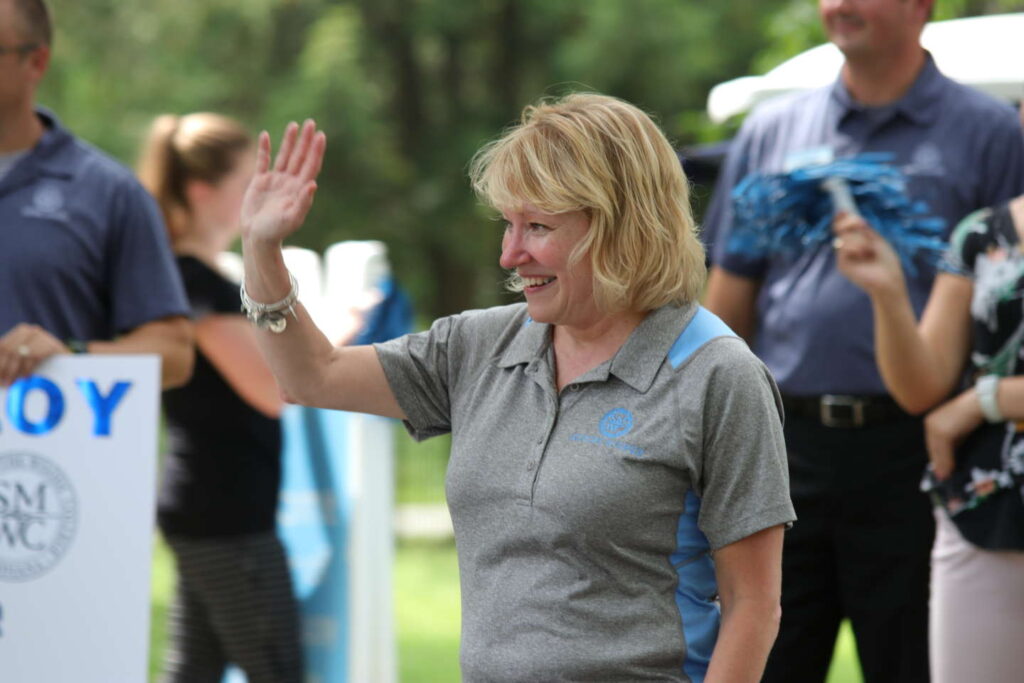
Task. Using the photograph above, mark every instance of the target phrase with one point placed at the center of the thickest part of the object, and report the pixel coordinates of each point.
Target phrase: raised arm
(920, 363)
(309, 369)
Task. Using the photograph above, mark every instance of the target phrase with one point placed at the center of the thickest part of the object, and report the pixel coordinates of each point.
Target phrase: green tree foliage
(406, 90)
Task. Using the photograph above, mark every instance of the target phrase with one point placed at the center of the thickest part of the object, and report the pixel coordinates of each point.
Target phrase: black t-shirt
(223, 470)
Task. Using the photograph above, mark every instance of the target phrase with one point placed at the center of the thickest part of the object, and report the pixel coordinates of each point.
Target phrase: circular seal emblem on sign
(38, 515)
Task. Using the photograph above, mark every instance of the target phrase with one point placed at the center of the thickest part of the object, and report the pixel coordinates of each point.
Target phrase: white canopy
(984, 52)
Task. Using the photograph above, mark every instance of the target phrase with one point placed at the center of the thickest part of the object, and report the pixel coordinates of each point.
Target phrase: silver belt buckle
(843, 412)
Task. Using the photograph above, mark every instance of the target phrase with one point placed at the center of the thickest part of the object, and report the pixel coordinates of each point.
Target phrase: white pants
(976, 628)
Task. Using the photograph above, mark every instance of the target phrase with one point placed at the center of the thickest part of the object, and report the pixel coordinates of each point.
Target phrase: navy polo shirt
(83, 250)
(959, 150)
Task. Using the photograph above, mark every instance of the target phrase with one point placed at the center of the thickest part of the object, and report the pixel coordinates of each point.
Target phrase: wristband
(77, 345)
(985, 389)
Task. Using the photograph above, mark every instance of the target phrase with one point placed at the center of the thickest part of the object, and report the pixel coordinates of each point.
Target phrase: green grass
(845, 667)
(426, 595)
(427, 612)
(420, 468)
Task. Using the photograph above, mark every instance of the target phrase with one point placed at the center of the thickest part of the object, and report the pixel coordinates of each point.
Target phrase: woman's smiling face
(538, 247)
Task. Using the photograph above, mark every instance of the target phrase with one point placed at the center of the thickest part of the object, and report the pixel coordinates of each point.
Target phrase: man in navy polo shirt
(861, 547)
(84, 260)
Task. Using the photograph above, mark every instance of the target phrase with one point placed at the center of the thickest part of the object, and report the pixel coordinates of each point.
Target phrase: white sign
(77, 473)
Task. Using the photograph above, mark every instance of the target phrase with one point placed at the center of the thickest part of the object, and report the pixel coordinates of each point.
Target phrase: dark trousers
(233, 604)
(859, 550)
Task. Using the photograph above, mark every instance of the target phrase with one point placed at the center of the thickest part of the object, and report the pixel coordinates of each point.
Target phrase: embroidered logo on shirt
(926, 161)
(615, 424)
(47, 203)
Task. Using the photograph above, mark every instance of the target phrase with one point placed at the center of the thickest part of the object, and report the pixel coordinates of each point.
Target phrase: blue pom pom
(788, 213)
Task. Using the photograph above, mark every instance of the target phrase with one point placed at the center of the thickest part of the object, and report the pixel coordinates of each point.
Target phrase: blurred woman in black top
(218, 497)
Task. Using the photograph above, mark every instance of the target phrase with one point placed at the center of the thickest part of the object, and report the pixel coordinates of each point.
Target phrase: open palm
(278, 198)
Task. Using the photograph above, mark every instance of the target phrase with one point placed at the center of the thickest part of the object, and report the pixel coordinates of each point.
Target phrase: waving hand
(279, 197)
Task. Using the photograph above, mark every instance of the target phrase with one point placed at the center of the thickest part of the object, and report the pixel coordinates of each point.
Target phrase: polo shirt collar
(528, 345)
(921, 104)
(46, 155)
(636, 363)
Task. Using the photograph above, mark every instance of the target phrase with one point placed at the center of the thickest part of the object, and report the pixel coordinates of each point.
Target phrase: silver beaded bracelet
(271, 317)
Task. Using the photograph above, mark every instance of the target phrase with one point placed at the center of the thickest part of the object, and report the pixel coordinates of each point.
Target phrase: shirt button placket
(533, 463)
(538, 451)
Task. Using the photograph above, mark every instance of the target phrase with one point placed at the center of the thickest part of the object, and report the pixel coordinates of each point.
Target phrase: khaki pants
(976, 630)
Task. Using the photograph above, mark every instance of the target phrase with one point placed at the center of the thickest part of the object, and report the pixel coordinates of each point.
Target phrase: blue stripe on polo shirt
(702, 328)
(696, 592)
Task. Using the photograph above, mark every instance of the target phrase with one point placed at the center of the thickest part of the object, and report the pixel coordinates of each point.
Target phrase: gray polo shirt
(959, 149)
(585, 519)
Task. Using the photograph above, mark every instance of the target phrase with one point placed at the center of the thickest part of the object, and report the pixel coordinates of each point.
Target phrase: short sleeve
(744, 482)
(1002, 173)
(144, 281)
(417, 368)
(719, 220)
(209, 293)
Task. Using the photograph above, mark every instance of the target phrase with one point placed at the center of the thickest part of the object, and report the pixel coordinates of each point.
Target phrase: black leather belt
(844, 412)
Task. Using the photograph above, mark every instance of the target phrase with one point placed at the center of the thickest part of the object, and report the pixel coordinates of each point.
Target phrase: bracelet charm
(271, 317)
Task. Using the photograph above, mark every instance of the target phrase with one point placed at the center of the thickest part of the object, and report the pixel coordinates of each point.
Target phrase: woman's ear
(197, 192)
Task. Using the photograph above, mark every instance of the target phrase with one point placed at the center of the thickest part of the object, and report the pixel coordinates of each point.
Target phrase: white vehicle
(983, 52)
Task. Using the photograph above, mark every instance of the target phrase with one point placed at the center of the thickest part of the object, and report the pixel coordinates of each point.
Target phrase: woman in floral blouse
(964, 363)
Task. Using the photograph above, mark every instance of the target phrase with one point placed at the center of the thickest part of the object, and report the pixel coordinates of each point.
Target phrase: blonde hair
(601, 155)
(200, 146)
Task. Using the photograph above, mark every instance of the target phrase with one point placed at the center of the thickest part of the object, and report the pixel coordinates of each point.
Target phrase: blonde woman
(617, 479)
(219, 488)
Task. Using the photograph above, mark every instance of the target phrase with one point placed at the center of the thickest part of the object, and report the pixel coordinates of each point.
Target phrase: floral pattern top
(985, 494)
